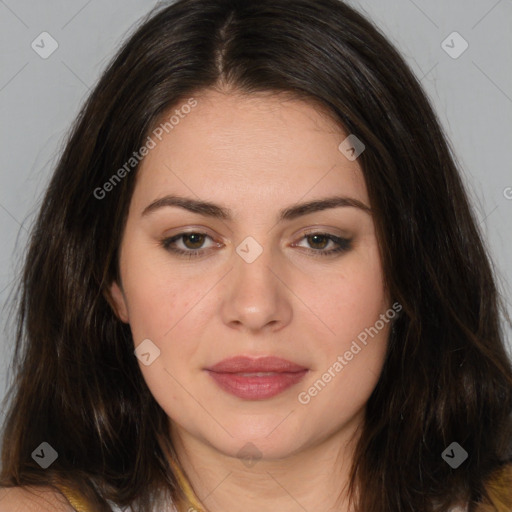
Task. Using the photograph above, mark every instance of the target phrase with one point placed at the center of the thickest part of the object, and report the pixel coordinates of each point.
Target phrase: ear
(116, 299)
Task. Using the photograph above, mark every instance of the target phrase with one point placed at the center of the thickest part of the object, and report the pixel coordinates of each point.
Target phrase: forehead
(259, 147)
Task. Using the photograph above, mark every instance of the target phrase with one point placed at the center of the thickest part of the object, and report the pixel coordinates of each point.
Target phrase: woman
(256, 283)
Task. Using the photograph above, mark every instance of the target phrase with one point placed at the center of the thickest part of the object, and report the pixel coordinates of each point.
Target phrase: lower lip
(257, 388)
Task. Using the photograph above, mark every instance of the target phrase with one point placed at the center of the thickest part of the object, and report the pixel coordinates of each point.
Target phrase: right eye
(191, 244)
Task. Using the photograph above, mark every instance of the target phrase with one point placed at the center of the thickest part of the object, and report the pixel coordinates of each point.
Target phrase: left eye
(341, 245)
(193, 244)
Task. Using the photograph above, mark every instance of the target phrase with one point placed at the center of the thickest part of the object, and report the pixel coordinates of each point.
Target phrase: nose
(255, 297)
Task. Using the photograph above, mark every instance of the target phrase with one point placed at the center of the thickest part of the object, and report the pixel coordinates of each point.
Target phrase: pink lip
(282, 374)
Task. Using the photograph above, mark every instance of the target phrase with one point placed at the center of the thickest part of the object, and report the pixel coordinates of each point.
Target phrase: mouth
(256, 378)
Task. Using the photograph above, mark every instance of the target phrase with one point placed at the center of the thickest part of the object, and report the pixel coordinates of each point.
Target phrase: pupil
(198, 241)
(315, 240)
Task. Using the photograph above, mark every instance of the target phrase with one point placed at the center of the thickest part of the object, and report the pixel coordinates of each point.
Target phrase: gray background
(39, 98)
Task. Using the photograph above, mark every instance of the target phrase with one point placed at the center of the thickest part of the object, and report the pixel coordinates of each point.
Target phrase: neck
(316, 478)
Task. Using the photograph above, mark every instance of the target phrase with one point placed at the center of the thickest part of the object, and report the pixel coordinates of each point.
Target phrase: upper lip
(244, 364)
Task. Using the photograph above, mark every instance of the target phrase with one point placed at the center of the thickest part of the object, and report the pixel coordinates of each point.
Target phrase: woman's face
(246, 277)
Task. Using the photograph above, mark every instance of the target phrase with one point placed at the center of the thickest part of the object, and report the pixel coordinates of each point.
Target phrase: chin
(251, 451)
(267, 437)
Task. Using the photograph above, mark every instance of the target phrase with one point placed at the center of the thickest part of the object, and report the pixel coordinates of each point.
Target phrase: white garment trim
(171, 508)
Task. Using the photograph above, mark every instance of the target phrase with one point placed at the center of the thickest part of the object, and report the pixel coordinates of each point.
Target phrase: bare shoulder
(33, 499)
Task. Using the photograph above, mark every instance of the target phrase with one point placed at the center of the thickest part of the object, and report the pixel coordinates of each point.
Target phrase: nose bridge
(253, 272)
(255, 295)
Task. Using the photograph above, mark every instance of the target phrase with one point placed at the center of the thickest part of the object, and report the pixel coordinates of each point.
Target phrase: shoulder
(33, 499)
(499, 488)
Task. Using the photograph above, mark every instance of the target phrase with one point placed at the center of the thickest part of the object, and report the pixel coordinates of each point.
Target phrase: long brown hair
(446, 378)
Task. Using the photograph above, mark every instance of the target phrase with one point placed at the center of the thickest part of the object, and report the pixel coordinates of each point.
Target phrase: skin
(255, 155)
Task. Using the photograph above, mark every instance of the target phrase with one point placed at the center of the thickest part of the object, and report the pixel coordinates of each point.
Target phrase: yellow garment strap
(78, 503)
(74, 499)
(185, 486)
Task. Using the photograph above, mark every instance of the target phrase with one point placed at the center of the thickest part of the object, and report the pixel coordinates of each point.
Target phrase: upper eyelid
(315, 229)
(307, 232)
(179, 236)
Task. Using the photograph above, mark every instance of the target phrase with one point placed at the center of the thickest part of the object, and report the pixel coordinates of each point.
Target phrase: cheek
(158, 296)
(353, 350)
(351, 299)
(163, 308)
(350, 365)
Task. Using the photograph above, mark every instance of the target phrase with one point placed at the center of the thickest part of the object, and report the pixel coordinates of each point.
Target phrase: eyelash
(344, 245)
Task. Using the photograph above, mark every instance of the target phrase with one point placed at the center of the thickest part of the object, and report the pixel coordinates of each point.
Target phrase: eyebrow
(215, 211)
